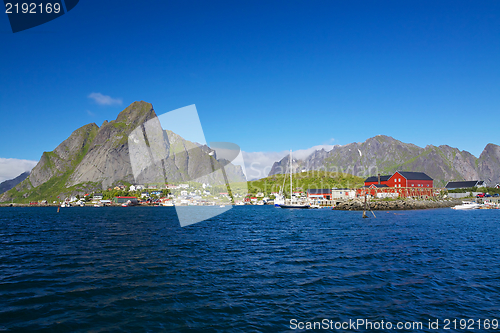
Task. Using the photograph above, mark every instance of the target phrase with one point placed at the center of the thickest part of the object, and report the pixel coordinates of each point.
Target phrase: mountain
(131, 149)
(488, 164)
(385, 155)
(8, 184)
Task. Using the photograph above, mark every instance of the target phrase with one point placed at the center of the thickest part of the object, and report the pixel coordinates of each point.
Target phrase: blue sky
(267, 75)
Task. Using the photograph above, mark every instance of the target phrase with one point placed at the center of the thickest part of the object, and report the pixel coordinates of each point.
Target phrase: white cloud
(11, 167)
(105, 100)
(301, 154)
(90, 113)
(258, 164)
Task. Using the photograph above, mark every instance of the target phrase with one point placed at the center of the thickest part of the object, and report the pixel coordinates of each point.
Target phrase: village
(398, 186)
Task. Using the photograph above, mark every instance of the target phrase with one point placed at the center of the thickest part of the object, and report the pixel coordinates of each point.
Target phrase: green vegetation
(305, 180)
(56, 185)
(119, 125)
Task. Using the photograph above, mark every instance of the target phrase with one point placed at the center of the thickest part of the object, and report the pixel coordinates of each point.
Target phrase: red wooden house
(404, 183)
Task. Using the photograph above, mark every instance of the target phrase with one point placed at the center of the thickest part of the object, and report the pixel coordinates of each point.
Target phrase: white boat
(279, 200)
(293, 203)
(467, 205)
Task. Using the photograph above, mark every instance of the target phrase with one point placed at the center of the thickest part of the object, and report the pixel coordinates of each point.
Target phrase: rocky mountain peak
(384, 154)
(94, 158)
(136, 113)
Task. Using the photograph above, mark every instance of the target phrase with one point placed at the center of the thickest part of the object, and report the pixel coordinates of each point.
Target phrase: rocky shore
(26, 205)
(406, 204)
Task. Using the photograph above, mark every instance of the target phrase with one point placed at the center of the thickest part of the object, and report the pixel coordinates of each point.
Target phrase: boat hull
(466, 206)
(295, 206)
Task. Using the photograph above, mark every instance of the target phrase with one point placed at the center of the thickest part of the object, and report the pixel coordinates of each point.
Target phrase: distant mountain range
(385, 155)
(11, 183)
(95, 158)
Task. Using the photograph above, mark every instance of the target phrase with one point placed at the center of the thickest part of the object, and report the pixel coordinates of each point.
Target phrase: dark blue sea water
(252, 269)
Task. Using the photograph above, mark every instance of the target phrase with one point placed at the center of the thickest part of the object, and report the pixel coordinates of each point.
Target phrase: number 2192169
(470, 324)
(32, 8)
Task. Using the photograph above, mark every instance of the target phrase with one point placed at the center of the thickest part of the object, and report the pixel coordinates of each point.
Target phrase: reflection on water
(249, 269)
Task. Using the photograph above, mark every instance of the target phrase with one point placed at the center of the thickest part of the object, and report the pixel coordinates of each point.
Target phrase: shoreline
(351, 205)
(407, 204)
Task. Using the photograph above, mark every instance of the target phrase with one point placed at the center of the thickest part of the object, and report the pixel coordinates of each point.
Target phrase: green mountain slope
(303, 181)
(94, 158)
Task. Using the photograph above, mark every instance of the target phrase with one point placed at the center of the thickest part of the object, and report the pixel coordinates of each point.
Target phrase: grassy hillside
(305, 180)
(56, 185)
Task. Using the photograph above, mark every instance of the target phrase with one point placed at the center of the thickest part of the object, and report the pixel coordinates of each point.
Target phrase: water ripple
(251, 269)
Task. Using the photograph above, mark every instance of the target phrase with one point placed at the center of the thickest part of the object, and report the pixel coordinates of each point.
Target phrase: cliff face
(96, 157)
(107, 160)
(65, 157)
(8, 184)
(488, 164)
(385, 155)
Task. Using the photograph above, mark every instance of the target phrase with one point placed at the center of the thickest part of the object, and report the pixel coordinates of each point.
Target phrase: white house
(343, 193)
(132, 188)
(97, 196)
(183, 185)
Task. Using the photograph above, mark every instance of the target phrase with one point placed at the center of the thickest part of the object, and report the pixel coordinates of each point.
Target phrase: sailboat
(292, 203)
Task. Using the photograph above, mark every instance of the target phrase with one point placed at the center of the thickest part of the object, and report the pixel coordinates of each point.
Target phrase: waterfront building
(402, 183)
(465, 184)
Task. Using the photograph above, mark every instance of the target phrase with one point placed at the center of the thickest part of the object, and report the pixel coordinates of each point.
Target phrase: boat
(293, 204)
(466, 205)
(279, 200)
